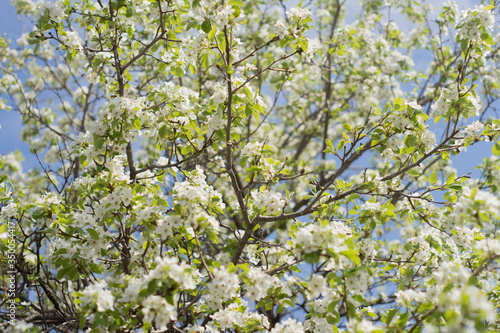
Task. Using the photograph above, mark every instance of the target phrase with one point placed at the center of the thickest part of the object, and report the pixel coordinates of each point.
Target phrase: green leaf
(98, 142)
(136, 123)
(101, 319)
(237, 11)
(496, 149)
(347, 127)
(351, 255)
(487, 38)
(398, 103)
(390, 315)
(93, 233)
(243, 161)
(387, 106)
(311, 258)
(177, 71)
(206, 26)
(433, 177)
(212, 32)
(464, 45)
(238, 3)
(163, 131)
(450, 179)
(410, 141)
(190, 25)
(413, 172)
(65, 271)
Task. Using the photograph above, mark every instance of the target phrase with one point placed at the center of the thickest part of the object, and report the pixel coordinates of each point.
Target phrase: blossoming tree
(251, 166)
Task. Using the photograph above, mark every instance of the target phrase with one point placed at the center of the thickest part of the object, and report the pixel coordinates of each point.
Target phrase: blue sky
(10, 138)
(11, 124)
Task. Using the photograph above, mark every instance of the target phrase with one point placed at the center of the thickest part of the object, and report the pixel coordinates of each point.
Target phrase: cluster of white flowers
(299, 13)
(192, 47)
(120, 196)
(470, 131)
(54, 10)
(223, 286)
(194, 195)
(462, 298)
(72, 40)
(317, 324)
(473, 129)
(428, 139)
(214, 123)
(368, 248)
(233, 316)
(252, 149)
(48, 199)
(288, 326)
(220, 95)
(156, 308)
(11, 162)
(99, 295)
(281, 29)
(8, 210)
(488, 245)
(259, 283)
(406, 297)
(168, 224)
(269, 199)
(420, 251)
(451, 272)
(471, 21)
(323, 304)
(21, 326)
(132, 290)
(169, 267)
(314, 237)
(222, 16)
(166, 268)
(443, 104)
(449, 96)
(362, 326)
(358, 283)
(317, 286)
(181, 96)
(465, 236)
(414, 105)
(370, 206)
(487, 203)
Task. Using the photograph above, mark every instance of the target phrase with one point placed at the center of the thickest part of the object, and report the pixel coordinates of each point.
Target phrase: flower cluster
(157, 309)
(313, 237)
(233, 316)
(98, 294)
(72, 40)
(259, 284)
(297, 13)
(252, 149)
(223, 286)
(471, 23)
(195, 199)
(55, 11)
(270, 200)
